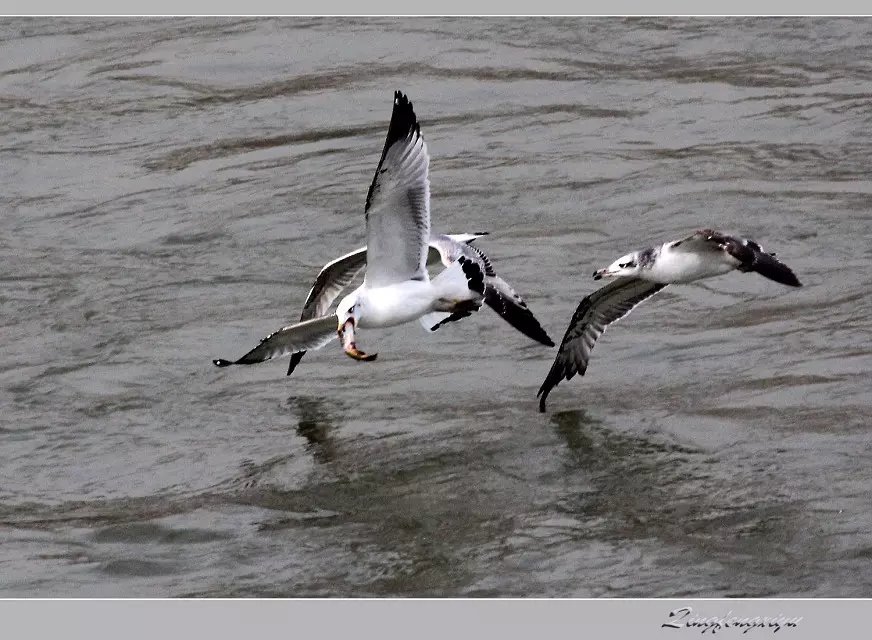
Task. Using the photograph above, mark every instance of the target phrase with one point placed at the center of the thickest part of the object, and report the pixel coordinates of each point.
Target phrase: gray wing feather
(331, 282)
(295, 338)
(593, 314)
(449, 248)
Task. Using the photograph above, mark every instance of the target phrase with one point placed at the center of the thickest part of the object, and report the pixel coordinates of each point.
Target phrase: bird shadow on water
(436, 517)
(315, 424)
(629, 479)
(691, 506)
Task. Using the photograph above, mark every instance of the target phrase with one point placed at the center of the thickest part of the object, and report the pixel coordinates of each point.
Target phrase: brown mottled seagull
(641, 274)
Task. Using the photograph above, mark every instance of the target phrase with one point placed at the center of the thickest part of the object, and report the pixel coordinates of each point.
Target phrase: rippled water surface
(171, 187)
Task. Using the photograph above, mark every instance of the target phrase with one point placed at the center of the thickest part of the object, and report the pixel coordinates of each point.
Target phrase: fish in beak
(346, 337)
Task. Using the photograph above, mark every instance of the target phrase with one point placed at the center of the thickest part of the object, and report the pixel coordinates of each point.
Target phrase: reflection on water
(644, 487)
(173, 185)
(316, 426)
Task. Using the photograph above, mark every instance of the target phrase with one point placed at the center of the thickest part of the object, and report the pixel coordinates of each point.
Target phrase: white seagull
(641, 274)
(396, 287)
(337, 274)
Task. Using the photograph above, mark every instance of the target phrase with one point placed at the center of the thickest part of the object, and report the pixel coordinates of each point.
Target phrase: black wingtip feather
(525, 322)
(221, 362)
(295, 360)
(474, 274)
(752, 258)
(543, 396)
(516, 313)
(772, 268)
(554, 377)
(403, 122)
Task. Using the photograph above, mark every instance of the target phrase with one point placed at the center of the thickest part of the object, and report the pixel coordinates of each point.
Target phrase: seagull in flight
(397, 287)
(337, 274)
(641, 274)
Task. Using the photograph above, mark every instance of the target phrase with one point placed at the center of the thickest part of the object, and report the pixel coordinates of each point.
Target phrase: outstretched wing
(510, 306)
(768, 266)
(752, 258)
(500, 297)
(303, 336)
(398, 203)
(596, 312)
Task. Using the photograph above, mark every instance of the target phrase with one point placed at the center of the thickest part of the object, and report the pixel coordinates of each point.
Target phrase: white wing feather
(398, 204)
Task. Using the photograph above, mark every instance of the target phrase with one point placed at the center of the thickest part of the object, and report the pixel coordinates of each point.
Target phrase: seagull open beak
(346, 337)
(598, 275)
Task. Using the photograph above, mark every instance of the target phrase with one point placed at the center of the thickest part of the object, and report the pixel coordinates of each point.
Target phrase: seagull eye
(627, 265)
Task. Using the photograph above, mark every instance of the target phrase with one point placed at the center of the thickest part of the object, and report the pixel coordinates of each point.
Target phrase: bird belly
(396, 304)
(679, 267)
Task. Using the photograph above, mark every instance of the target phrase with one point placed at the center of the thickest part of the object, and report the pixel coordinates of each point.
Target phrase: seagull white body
(673, 266)
(393, 305)
(397, 287)
(640, 275)
(406, 301)
(702, 255)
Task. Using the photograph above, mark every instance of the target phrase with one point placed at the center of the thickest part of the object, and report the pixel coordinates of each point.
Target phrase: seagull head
(348, 314)
(628, 265)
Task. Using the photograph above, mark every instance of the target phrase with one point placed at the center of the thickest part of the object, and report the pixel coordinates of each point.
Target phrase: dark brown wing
(596, 312)
(751, 257)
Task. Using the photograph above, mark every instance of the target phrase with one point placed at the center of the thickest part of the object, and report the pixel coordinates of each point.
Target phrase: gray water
(171, 187)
